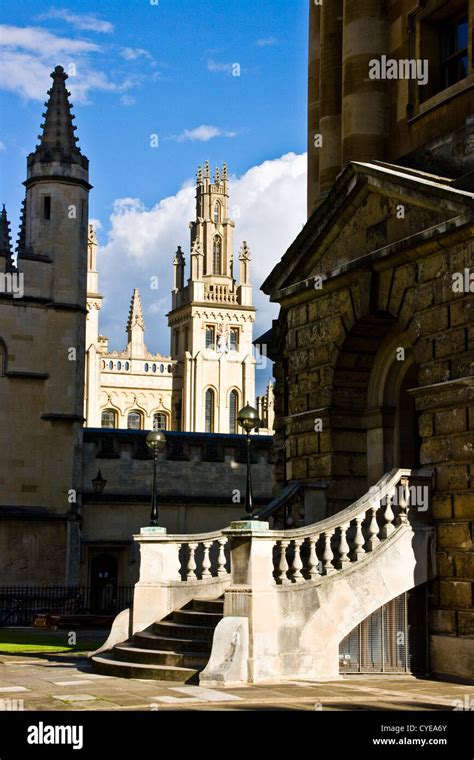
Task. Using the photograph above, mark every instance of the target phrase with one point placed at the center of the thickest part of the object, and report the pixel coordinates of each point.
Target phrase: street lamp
(98, 483)
(249, 420)
(156, 441)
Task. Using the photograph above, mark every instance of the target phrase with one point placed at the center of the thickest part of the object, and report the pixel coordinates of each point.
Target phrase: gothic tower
(212, 316)
(42, 337)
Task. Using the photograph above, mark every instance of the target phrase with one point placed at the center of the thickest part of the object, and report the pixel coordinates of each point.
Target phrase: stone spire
(136, 328)
(57, 138)
(6, 264)
(20, 242)
(135, 316)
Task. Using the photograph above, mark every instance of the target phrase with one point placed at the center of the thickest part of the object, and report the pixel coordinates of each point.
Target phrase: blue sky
(165, 69)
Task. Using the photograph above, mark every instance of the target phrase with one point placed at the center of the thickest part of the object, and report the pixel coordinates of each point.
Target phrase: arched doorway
(374, 424)
(393, 437)
(103, 580)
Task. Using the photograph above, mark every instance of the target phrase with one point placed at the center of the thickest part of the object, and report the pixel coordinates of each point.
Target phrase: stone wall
(200, 480)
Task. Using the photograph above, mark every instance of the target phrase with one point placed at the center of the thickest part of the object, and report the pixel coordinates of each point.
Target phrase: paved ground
(66, 682)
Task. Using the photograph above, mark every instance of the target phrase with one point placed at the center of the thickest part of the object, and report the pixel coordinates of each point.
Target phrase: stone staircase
(175, 649)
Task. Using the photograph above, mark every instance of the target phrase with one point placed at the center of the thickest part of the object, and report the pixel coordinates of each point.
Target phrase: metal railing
(19, 605)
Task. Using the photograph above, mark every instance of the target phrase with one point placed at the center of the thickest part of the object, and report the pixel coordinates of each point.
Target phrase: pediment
(370, 207)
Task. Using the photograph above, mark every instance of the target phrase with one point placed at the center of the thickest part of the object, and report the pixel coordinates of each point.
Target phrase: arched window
(109, 418)
(111, 365)
(159, 421)
(217, 212)
(209, 409)
(233, 409)
(119, 365)
(134, 421)
(217, 255)
(127, 366)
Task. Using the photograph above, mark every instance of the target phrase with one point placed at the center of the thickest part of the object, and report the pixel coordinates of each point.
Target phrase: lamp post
(249, 420)
(156, 441)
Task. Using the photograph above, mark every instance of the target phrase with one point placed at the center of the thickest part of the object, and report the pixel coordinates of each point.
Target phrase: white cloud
(2, 146)
(131, 54)
(268, 204)
(84, 21)
(266, 41)
(219, 67)
(127, 100)
(203, 133)
(40, 41)
(29, 54)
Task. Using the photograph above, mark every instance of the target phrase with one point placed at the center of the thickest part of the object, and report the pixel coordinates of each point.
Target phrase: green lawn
(16, 641)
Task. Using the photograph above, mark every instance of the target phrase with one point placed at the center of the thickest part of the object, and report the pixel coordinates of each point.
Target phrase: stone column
(364, 102)
(314, 54)
(330, 88)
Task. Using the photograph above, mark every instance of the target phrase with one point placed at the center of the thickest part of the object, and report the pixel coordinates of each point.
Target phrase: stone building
(374, 341)
(210, 372)
(54, 529)
(42, 334)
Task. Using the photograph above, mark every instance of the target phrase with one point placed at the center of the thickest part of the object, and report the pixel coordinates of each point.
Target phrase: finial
(199, 174)
(224, 171)
(217, 177)
(135, 316)
(244, 253)
(207, 170)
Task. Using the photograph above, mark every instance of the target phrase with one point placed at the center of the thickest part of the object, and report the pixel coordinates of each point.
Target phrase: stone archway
(392, 422)
(374, 424)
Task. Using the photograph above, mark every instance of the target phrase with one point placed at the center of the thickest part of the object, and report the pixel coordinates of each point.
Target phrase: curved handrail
(284, 498)
(381, 489)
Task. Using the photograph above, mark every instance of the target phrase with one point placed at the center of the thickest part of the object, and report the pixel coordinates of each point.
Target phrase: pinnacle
(135, 316)
(57, 140)
(21, 239)
(5, 240)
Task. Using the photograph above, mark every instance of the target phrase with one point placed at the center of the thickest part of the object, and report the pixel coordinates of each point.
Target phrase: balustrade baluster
(206, 562)
(191, 575)
(297, 564)
(283, 564)
(359, 550)
(328, 555)
(313, 562)
(389, 516)
(373, 539)
(403, 499)
(221, 560)
(343, 546)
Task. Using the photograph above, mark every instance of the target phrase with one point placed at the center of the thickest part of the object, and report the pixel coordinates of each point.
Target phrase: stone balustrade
(317, 550)
(220, 294)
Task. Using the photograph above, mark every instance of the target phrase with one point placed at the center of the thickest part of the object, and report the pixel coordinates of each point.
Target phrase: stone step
(193, 617)
(107, 664)
(149, 640)
(130, 653)
(207, 605)
(170, 629)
